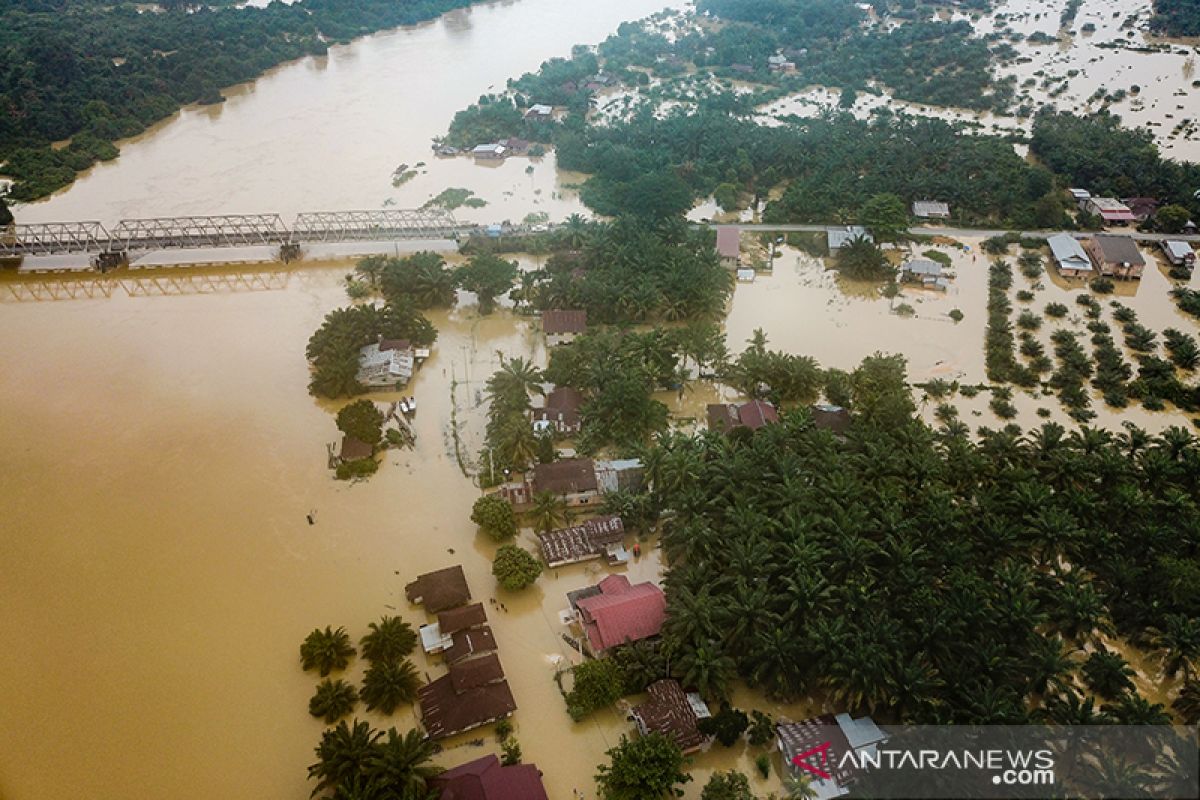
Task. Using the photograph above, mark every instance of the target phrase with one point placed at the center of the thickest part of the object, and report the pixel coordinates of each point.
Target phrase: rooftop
(486, 779)
(843, 733)
(476, 672)
(839, 237)
(923, 266)
(753, 415)
(440, 590)
(354, 449)
(564, 320)
(471, 642)
(586, 540)
(930, 208)
(568, 476)
(1067, 250)
(445, 712)
(462, 618)
(830, 417)
(621, 612)
(1117, 250)
(1178, 249)
(670, 712)
(729, 243)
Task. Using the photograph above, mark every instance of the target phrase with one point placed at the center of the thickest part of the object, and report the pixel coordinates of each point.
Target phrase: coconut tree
(388, 684)
(326, 650)
(515, 441)
(343, 757)
(1068, 708)
(401, 765)
(1133, 709)
(1107, 674)
(514, 382)
(1187, 704)
(706, 669)
(1179, 641)
(333, 700)
(390, 639)
(549, 512)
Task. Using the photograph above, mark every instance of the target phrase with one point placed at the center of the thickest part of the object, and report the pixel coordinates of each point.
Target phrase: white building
(386, 365)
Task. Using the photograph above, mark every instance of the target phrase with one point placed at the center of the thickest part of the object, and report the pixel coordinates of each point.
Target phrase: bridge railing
(358, 226)
(52, 238)
(228, 230)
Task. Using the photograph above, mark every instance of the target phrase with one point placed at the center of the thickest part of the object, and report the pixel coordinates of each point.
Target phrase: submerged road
(929, 230)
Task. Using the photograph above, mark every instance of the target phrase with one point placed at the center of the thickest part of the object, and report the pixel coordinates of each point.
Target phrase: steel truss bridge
(227, 230)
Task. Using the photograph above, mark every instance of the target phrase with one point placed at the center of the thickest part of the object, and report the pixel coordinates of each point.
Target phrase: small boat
(404, 406)
(409, 406)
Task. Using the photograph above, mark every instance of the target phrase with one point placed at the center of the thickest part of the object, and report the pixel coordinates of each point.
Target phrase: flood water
(162, 451)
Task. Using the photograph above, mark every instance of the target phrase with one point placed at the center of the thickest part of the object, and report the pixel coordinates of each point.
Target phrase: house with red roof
(487, 779)
(614, 612)
(724, 417)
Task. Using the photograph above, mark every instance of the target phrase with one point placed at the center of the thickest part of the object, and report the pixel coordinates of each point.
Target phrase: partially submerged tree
(515, 568)
(326, 650)
(494, 515)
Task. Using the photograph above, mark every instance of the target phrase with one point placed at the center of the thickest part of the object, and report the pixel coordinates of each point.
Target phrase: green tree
(549, 512)
(6, 217)
(389, 684)
(862, 259)
(885, 216)
(390, 639)
(400, 766)
(326, 650)
(515, 568)
(495, 516)
(727, 725)
(333, 700)
(1107, 674)
(879, 391)
(488, 276)
(362, 420)
(646, 768)
(1171, 218)
(596, 684)
(343, 759)
(731, 785)
(511, 752)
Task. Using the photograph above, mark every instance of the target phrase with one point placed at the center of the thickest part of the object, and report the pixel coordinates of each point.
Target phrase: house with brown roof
(729, 246)
(1143, 208)
(437, 637)
(476, 672)
(673, 713)
(468, 643)
(830, 418)
(439, 590)
(446, 711)
(807, 741)
(562, 325)
(572, 479)
(354, 449)
(614, 612)
(1110, 210)
(589, 539)
(487, 779)
(1115, 256)
(560, 412)
(724, 417)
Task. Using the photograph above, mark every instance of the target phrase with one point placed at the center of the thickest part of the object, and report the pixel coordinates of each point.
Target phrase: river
(162, 452)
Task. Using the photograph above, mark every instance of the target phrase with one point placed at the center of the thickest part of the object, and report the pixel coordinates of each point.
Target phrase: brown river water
(161, 450)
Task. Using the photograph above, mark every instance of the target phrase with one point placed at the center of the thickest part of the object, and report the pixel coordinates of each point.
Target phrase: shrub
(515, 568)
(1102, 285)
(727, 725)
(939, 257)
(495, 516)
(1025, 296)
(361, 468)
(905, 310)
(955, 315)
(1029, 321)
(1056, 310)
(362, 420)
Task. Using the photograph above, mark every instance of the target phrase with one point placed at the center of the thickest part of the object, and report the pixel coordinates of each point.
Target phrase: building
(830, 418)
(614, 612)
(724, 417)
(354, 449)
(1115, 256)
(441, 590)
(446, 710)
(673, 713)
(1143, 208)
(562, 325)
(930, 209)
(729, 246)
(1179, 253)
(470, 642)
(620, 475)
(1072, 259)
(560, 412)
(589, 539)
(516, 146)
(387, 364)
(843, 734)
(780, 63)
(1110, 210)
(1081, 197)
(539, 112)
(839, 237)
(437, 637)
(572, 479)
(487, 779)
(924, 271)
(493, 151)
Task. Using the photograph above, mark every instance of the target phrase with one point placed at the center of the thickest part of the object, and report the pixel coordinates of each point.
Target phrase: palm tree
(515, 441)
(343, 756)
(1179, 639)
(575, 231)
(549, 512)
(390, 639)
(799, 787)
(400, 765)
(515, 381)
(326, 650)
(1067, 708)
(1133, 709)
(387, 684)
(1187, 704)
(1107, 674)
(706, 669)
(1079, 612)
(333, 700)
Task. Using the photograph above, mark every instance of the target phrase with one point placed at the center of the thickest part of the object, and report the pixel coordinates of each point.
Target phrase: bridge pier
(290, 251)
(110, 259)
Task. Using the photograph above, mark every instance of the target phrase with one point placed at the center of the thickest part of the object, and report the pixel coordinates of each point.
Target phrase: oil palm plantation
(1107, 674)
(326, 650)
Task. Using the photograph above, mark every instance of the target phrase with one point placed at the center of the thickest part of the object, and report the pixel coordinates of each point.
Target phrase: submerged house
(930, 209)
(830, 418)
(673, 713)
(807, 740)
(471, 694)
(437, 637)
(440, 590)
(560, 412)
(539, 111)
(1069, 255)
(926, 272)
(487, 779)
(386, 364)
(729, 246)
(562, 325)
(614, 612)
(353, 449)
(724, 417)
(589, 539)
(493, 151)
(839, 237)
(1110, 210)
(1179, 253)
(1115, 256)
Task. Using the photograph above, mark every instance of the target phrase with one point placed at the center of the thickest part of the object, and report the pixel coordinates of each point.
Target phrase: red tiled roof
(445, 712)
(564, 320)
(757, 413)
(621, 612)
(461, 618)
(485, 779)
(568, 476)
